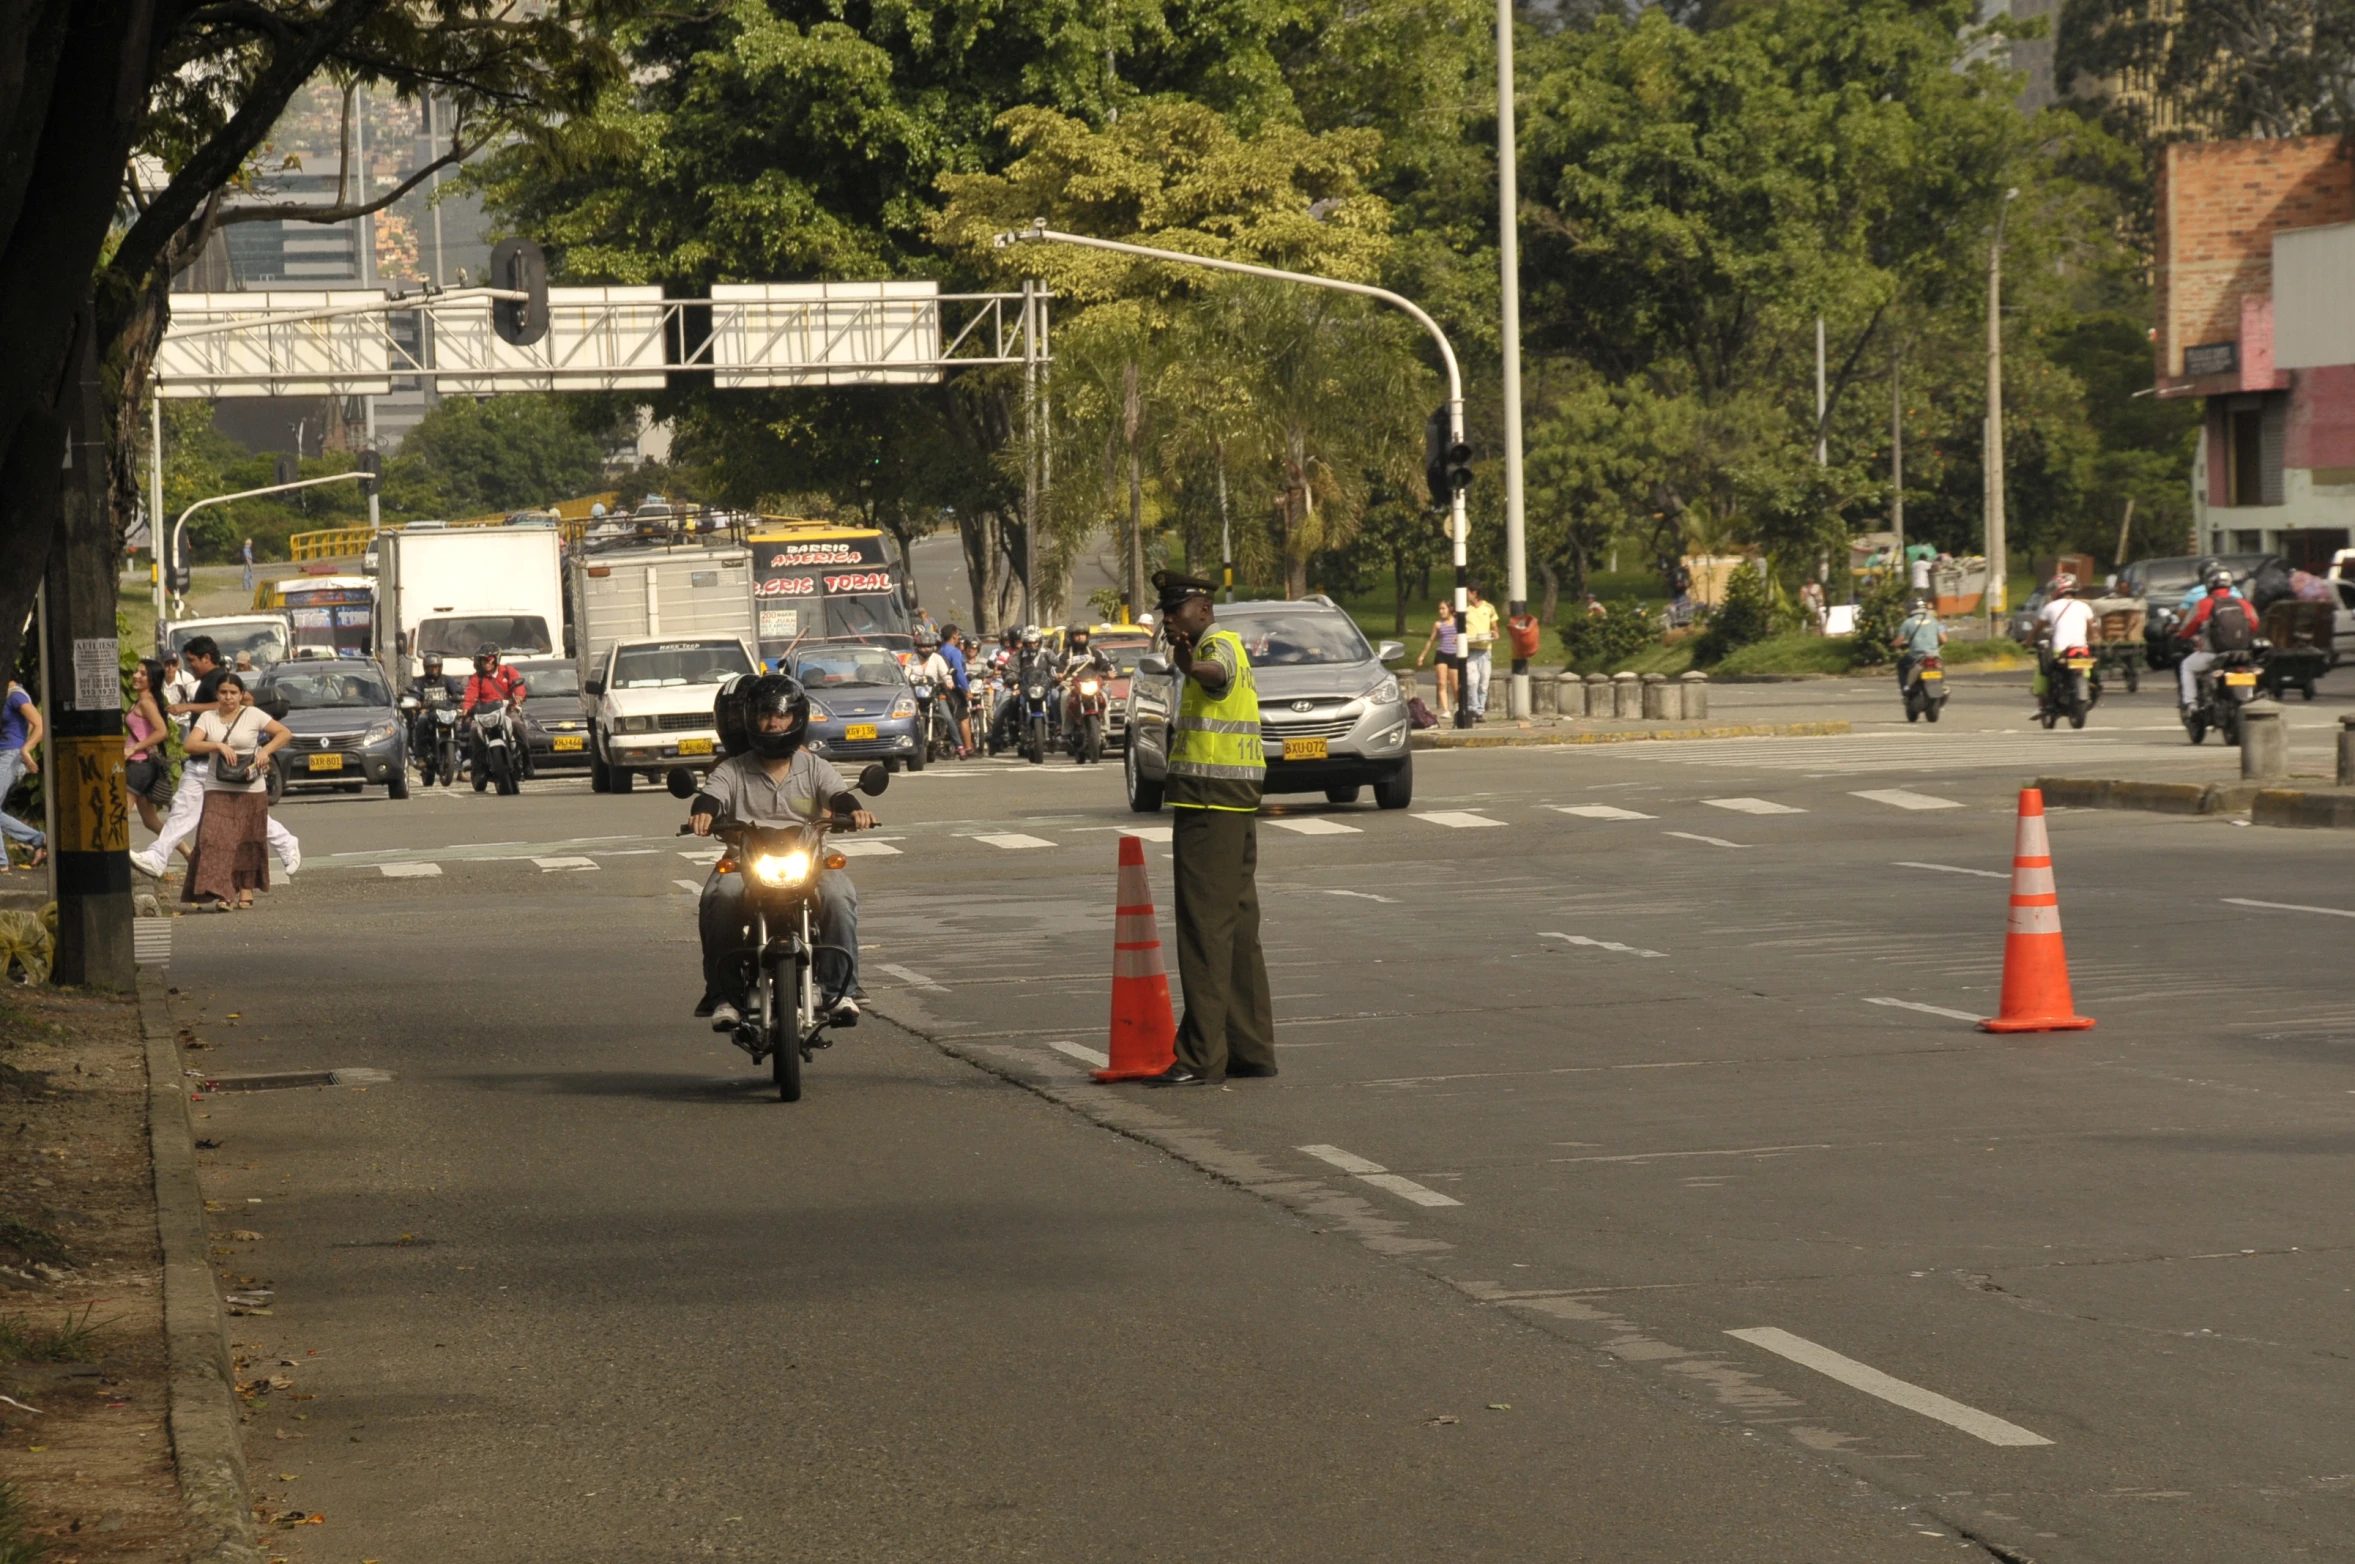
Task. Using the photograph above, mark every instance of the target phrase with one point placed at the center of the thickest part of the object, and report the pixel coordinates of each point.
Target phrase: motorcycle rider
(430, 689)
(1919, 635)
(2221, 622)
(2064, 624)
(774, 782)
(496, 683)
(1025, 653)
(1079, 659)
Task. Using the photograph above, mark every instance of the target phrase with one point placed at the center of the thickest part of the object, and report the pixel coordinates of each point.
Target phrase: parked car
(1332, 719)
(861, 708)
(555, 724)
(2162, 583)
(347, 734)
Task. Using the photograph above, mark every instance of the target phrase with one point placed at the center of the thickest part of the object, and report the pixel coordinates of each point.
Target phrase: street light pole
(1039, 233)
(165, 561)
(1508, 233)
(1997, 574)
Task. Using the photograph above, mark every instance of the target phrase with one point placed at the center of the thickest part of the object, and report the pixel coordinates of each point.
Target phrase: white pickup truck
(650, 701)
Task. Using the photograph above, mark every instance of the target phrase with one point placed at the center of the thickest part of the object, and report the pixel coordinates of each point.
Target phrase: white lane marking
(1460, 819)
(1950, 868)
(703, 855)
(628, 852)
(1381, 1178)
(1365, 896)
(1087, 1056)
(1731, 1151)
(1713, 841)
(2290, 906)
(1752, 806)
(854, 847)
(1599, 812)
(689, 885)
(1604, 944)
(409, 871)
(1148, 833)
(1014, 840)
(1870, 1380)
(912, 977)
(1315, 827)
(551, 865)
(1931, 1010)
(1899, 798)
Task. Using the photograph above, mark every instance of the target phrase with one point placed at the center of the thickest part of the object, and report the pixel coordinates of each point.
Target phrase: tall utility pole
(91, 845)
(1226, 532)
(1996, 571)
(1508, 255)
(1823, 437)
(1897, 458)
(1033, 434)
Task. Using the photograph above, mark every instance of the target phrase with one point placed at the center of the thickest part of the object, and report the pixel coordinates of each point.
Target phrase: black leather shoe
(1251, 1072)
(705, 1006)
(1180, 1074)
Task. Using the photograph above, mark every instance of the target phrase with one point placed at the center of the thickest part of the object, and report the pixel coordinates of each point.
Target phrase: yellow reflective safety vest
(1215, 761)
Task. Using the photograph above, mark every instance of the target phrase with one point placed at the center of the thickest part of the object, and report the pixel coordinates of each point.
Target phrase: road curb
(2326, 808)
(2320, 807)
(206, 1448)
(1436, 738)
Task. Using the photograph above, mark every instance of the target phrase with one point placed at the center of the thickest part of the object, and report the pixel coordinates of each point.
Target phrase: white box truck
(450, 590)
(660, 625)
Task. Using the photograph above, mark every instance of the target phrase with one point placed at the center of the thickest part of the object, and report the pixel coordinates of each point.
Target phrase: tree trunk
(1398, 591)
(1132, 422)
(973, 542)
(1553, 592)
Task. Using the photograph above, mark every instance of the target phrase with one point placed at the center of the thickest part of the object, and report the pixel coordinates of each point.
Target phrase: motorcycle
(433, 737)
(1035, 720)
(1083, 735)
(1925, 688)
(495, 750)
(788, 1015)
(2072, 683)
(2219, 692)
(932, 719)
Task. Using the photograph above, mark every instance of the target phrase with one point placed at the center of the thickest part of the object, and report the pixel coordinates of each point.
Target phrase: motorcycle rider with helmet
(1079, 660)
(2220, 622)
(494, 682)
(1919, 635)
(775, 781)
(2063, 625)
(430, 689)
(1026, 652)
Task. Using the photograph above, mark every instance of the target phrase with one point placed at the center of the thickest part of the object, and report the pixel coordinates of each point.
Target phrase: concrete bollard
(1655, 697)
(2265, 742)
(1627, 696)
(1598, 695)
(1500, 696)
(2347, 751)
(1696, 695)
(1541, 696)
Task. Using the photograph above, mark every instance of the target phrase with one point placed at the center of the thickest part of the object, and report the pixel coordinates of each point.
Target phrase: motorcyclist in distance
(775, 782)
(2063, 624)
(494, 683)
(2221, 622)
(1080, 658)
(433, 680)
(1919, 635)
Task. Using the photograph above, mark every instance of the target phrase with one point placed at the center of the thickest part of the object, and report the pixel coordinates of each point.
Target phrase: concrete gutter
(2317, 806)
(206, 1447)
(1513, 738)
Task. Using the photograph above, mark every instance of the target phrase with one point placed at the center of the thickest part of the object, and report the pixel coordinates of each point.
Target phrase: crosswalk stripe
(1599, 812)
(409, 871)
(852, 847)
(1752, 806)
(1959, 751)
(1312, 826)
(550, 865)
(689, 885)
(1899, 798)
(1014, 840)
(1458, 818)
(1713, 841)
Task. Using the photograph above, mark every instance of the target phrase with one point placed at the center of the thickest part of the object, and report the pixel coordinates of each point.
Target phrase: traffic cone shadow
(1144, 1028)
(2036, 994)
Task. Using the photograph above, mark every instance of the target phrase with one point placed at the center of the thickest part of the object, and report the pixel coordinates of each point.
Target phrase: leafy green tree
(470, 458)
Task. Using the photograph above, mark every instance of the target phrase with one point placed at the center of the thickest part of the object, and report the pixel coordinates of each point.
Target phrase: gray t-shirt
(748, 797)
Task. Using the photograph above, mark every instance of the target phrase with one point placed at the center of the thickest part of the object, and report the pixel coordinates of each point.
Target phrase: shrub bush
(1741, 619)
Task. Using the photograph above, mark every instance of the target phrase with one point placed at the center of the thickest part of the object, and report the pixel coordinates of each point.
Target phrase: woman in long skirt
(232, 857)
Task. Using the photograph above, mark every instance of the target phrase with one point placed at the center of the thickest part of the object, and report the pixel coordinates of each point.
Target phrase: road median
(1618, 733)
(2315, 806)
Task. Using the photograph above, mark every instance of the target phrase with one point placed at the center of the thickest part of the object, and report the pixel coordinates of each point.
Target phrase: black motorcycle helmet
(769, 694)
(1076, 638)
(433, 665)
(485, 653)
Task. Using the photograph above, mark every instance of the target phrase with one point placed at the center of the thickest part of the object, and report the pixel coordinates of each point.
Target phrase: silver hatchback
(1332, 719)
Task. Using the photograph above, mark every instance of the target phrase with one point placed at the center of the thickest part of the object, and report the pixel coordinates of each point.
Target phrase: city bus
(819, 581)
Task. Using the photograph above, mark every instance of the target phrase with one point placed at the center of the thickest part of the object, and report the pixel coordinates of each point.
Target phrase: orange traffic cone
(2035, 968)
(1144, 1031)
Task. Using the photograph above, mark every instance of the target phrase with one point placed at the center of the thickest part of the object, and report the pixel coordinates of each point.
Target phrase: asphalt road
(1636, 1186)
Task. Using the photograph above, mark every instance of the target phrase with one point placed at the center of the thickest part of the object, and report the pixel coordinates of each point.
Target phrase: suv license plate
(859, 730)
(694, 746)
(325, 762)
(565, 741)
(1304, 749)
(2230, 678)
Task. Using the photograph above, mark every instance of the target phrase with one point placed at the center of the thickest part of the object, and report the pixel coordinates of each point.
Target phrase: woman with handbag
(146, 767)
(232, 857)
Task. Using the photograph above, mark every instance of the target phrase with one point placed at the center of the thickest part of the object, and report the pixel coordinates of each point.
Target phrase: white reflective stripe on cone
(1134, 928)
(2043, 919)
(1144, 963)
(2033, 880)
(2031, 841)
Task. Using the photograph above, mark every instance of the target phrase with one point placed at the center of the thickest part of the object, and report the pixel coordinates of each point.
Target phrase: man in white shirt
(2063, 624)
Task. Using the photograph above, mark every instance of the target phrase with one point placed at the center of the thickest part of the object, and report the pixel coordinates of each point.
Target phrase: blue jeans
(12, 767)
(727, 938)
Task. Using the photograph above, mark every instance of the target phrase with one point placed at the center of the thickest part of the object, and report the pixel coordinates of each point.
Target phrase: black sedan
(553, 722)
(347, 734)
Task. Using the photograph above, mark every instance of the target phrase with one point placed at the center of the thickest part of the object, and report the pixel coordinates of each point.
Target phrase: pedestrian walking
(20, 756)
(249, 564)
(202, 656)
(1450, 665)
(952, 652)
(232, 857)
(1811, 606)
(1214, 775)
(147, 769)
(1479, 652)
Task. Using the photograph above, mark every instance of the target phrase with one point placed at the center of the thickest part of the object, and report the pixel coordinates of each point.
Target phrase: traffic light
(289, 469)
(177, 574)
(371, 463)
(520, 266)
(1447, 463)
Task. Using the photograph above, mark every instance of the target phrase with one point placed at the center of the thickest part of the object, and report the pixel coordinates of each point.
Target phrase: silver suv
(1332, 719)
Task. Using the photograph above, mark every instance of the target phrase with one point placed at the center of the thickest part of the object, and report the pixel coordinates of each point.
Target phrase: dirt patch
(81, 1311)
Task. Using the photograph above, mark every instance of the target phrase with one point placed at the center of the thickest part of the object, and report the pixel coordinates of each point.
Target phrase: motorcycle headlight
(905, 706)
(1089, 686)
(782, 868)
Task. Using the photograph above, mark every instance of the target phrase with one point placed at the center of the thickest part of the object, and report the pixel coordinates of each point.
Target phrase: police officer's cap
(1175, 589)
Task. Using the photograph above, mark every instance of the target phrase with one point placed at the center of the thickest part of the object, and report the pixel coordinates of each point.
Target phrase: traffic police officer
(1214, 776)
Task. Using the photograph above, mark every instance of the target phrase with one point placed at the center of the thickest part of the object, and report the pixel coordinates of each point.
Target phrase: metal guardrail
(333, 543)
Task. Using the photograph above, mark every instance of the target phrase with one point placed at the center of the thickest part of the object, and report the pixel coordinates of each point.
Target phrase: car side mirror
(1389, 651)
(873, 780)
(1150, 664)
(680, 781)
(593, 686)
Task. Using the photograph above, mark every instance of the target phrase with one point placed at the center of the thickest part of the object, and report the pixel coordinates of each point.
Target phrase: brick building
(2276, 465)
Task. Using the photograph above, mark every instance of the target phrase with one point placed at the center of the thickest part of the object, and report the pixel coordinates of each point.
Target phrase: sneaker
(846, 1012)
(726, 1017)
(148, 864)
(292, 861)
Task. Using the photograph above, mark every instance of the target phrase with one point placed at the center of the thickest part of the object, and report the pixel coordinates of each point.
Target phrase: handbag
(234, 771)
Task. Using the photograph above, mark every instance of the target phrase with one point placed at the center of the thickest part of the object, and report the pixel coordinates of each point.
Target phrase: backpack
(1420, 714)
(2228, 626)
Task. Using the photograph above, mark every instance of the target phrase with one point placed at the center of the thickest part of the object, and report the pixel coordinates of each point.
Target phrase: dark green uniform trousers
(1230, 1018)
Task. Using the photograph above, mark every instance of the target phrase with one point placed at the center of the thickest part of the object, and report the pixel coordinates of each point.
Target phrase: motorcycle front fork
(765, 997)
